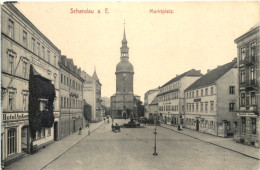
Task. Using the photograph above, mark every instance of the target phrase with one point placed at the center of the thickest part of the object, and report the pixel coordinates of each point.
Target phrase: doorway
(197, 125)
(25, 139)
(55, 131)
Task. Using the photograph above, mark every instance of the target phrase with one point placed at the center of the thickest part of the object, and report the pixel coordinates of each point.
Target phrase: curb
(213, 143)
(69, 148)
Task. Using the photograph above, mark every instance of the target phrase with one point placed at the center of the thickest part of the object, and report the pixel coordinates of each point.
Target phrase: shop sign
(39, 63)
(197, 100)
(246, 114)
(167, 103)
(14, 116)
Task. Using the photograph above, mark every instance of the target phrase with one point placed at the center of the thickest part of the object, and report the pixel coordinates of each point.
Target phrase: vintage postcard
(130, 85)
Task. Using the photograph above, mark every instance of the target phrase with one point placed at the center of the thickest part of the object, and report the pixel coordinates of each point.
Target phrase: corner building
(123, 102)
(210, 102)
(248, 127)
(23, 46)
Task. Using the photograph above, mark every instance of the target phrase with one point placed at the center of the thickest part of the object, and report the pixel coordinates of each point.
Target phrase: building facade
(25, 53)
(210, 102)
(92, 94)
(151, 102)
(71, 97)
(123, 101)
(171, 97)
(248, 129)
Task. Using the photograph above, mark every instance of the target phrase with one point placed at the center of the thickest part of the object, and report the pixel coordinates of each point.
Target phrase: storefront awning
(41, 72)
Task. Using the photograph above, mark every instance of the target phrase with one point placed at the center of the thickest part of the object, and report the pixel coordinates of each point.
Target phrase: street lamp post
(155, 133)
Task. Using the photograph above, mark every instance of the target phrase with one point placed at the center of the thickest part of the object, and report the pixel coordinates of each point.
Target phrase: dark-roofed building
(171, 96)
(71, 97)
(248, 128)
(210, 102)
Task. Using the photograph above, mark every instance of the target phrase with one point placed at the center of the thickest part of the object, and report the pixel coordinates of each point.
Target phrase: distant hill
(106, 101)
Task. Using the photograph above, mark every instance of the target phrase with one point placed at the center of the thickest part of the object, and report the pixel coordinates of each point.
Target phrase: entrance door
(74, 125)
(55, 131)
(197, 125)
(24, 140)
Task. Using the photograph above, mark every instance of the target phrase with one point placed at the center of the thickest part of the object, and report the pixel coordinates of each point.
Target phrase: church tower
(123, 101)
(124, 71)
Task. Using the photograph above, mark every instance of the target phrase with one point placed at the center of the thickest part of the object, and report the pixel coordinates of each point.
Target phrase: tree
(87, 111)
(140, 108)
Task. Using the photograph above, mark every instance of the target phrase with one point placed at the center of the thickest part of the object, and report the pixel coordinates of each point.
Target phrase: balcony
(248, 61)
(248, 85)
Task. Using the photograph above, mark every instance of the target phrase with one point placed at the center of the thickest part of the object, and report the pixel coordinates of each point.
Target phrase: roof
(251, 31)
(191, 72)
(212, 76)
(155, 101)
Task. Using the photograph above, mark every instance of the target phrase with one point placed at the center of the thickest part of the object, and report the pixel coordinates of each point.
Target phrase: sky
(196, 35)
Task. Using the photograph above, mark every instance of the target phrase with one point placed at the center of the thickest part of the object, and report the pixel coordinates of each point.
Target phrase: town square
(130, 85)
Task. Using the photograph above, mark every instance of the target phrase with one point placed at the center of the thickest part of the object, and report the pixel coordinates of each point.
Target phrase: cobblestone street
(133, 148)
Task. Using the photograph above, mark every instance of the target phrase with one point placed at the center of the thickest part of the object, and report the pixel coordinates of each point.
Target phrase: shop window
(231, 107)
(231, 89)
(253, 120)
(11, 141)
(49, 132)
(11, 28)
(43, 132)
(38, 135)
(243, 124)
(211, 124)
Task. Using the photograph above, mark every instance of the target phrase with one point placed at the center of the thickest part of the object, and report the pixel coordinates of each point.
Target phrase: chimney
(208, 70)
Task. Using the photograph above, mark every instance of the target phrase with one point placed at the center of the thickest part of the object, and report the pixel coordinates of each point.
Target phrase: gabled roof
(191, 72)
(212, 76)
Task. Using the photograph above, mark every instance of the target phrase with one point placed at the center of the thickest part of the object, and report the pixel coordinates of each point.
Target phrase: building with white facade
(210, 102)
(171, 97)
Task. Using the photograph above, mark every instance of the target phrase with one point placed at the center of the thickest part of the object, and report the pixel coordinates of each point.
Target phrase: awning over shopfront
(37, 71)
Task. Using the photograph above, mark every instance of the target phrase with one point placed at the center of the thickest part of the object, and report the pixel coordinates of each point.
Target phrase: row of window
(35, 46)
(169, 108)
(72, 83)
(245, 52)
(70, 103)
(170, 96)
(250, 72)
(252, 125)
(202, 123)
(11, 101)
(193, 94)
(171, 87)
(42, 133)
(190, 107)
(247, 100)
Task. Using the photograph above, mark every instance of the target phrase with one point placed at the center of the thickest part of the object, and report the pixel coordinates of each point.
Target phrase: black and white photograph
(130, 85)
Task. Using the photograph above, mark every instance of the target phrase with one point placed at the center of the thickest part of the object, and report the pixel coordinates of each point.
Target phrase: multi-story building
(92, 94)
(151, 102)
(26, 55)
(210, 102)
(248, 129)
(71, 97)
(171, 96)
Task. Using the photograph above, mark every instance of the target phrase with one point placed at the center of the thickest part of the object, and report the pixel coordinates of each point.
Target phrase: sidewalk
(44, 156)
(227, 143)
